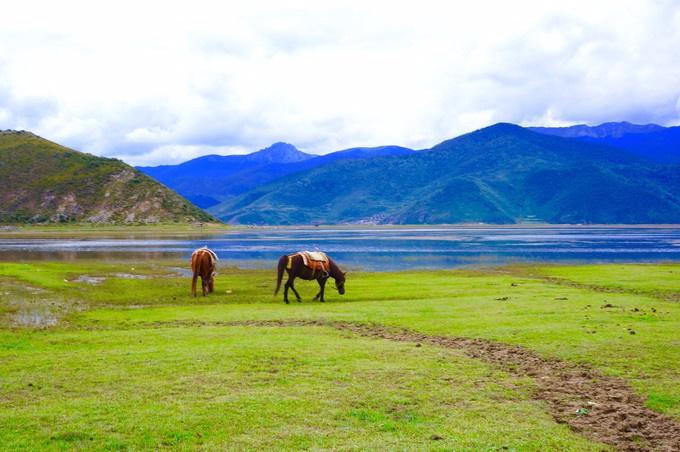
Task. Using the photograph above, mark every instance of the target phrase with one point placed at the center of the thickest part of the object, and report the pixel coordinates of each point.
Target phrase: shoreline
(169, 229)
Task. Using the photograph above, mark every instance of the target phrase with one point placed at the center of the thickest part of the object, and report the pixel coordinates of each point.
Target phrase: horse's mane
(335, 269)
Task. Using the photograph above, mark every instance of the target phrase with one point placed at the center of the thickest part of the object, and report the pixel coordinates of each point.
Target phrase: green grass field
(119, 356)
(104, 230)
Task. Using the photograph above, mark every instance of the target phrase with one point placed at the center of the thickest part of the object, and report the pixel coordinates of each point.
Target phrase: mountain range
(611, 173)
(499, 174)
(41, 181)
(207, 181)
(651, 141)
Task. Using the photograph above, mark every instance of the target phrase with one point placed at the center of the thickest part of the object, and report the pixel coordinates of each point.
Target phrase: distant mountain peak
(651, 141)
(497, 130)
(502, 127)
(604, 130)
(280, 145)
(279, 152)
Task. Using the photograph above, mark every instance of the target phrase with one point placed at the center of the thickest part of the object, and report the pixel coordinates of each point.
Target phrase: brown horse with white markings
(203, 264)
(296, 267)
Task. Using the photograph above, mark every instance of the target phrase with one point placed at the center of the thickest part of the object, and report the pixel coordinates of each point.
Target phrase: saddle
(314, 260)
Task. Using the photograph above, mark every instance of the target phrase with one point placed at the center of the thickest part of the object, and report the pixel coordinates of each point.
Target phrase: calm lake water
(378, 248)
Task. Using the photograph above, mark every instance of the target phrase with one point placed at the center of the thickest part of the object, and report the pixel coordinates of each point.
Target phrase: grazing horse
(203, 264)
(301, 265)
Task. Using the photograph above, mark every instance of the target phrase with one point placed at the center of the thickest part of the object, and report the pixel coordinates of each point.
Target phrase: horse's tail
(283, 261)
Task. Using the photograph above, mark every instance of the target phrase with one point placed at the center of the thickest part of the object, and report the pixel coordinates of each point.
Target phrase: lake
(374, 248)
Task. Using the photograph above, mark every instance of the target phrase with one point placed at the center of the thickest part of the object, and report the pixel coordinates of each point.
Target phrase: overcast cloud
(163, 82)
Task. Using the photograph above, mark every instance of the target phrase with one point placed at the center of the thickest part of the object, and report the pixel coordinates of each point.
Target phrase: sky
(163, 82)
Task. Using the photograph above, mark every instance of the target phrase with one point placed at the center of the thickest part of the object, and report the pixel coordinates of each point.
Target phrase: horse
(294, 264)
(203, 264)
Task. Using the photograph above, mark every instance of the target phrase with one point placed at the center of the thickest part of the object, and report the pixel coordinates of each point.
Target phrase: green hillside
(41, 181)
(501, 174)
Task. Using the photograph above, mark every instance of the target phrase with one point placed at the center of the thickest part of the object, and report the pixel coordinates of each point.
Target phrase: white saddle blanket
(316, 256)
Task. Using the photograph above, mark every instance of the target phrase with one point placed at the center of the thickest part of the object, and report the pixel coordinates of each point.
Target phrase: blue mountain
(207, 181)
(499, 174)
(365, 153)
(651, 141)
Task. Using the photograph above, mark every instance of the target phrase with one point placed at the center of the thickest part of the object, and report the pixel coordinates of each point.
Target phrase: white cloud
(160, 82)
(177, 153)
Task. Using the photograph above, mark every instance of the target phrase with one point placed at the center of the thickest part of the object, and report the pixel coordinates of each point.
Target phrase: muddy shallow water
(372, 248)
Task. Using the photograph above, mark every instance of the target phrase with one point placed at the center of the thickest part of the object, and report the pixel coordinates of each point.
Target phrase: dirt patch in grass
(25, 306)
(36, 318)
(600, 407)
(667, 296)
(130, 276)
(94, 280)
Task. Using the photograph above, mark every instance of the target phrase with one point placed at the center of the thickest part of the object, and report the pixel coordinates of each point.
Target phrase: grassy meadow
(106, 230)
(118, 356)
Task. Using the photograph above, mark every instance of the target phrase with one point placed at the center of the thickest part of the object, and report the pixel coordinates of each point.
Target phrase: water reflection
(376, 248)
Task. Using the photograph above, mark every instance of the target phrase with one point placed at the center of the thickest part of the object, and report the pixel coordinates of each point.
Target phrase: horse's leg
(204, 286)
(322, 287)
(297, 295)
(318, 295)
(193, 284)
(286, 287)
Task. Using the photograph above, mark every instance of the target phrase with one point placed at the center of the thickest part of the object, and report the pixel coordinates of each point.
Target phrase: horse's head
(340, 283)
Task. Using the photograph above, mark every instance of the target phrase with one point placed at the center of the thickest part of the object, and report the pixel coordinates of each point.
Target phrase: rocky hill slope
(41, 181)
